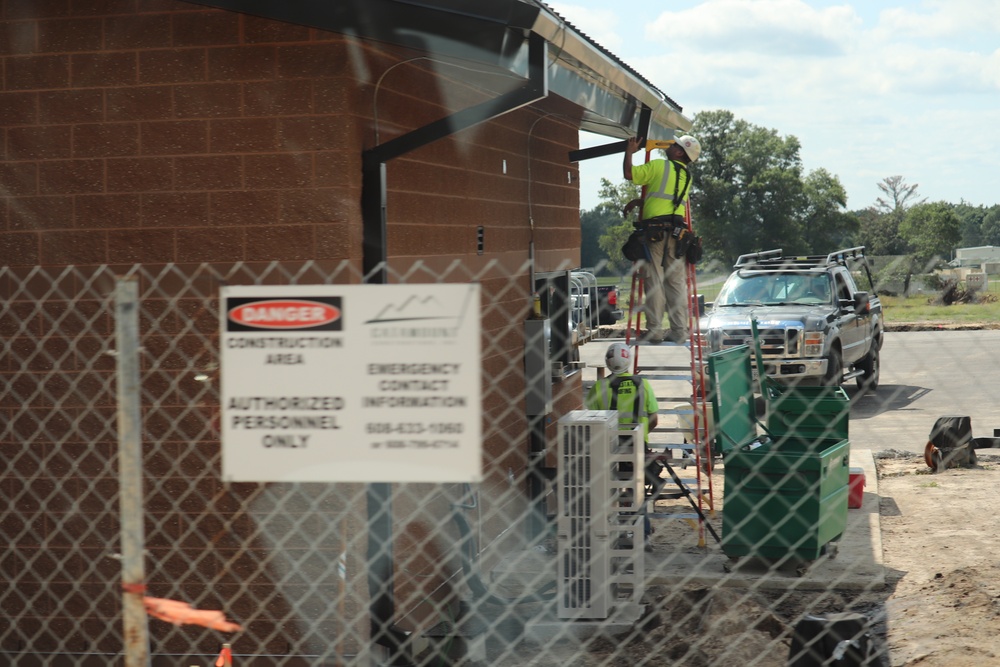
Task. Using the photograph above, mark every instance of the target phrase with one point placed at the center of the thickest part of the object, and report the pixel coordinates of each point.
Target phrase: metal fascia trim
(568, 45)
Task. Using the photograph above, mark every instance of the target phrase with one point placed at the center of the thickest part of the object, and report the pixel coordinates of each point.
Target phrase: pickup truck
(608, 310)
(603, 300)
(814, 324)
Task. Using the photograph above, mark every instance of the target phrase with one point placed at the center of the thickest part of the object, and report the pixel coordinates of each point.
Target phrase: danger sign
(358, 383)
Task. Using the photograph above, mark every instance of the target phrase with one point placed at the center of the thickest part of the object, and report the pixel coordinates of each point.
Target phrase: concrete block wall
(159, 131)
(167, 132)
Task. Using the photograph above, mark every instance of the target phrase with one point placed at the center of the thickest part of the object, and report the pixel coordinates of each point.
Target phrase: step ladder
(685, 383)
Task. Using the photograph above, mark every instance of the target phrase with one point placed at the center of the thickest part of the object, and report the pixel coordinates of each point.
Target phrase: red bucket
(856, 488)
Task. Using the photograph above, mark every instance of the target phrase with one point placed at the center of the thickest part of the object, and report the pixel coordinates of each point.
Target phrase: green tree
(932, 231)
(593, 225)
(990, 228)
(879, 233)
(826, 222)
(972, 223)
(613, 200)
(748, 192)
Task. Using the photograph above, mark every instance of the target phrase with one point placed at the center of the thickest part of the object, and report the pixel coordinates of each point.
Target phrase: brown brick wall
(160, 131)
(118, 117)
(255, 118)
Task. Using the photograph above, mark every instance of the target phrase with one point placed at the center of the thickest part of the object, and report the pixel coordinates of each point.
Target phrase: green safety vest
(633, 398)
(667, 184)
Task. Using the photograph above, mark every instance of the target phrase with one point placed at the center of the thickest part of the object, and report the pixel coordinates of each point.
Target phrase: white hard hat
(618, 358)
(690, 145)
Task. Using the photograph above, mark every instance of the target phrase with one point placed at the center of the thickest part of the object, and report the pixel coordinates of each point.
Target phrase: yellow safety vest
(667, 184)
(634, 399)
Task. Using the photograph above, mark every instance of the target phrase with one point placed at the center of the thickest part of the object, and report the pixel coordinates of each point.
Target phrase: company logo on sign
(417, 317)
(323, 314)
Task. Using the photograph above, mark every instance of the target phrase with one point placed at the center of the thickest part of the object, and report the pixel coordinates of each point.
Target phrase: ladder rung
(663, 344)
(672, 515)
(674, 495)
(686, 369)
(673, 447)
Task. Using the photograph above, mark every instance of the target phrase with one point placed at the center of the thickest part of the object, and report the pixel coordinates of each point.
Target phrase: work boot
(678, 337)
(651, 338)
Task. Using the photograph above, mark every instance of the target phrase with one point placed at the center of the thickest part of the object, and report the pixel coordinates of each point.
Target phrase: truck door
(852, 324)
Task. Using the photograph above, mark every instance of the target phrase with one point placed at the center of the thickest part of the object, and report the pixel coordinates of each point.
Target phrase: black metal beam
(597, 151)
(645, 115)
(373, 207)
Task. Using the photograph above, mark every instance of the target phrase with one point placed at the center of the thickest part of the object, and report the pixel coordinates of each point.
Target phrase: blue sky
(871, 89)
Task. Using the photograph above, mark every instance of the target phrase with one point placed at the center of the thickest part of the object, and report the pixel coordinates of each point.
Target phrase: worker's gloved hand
(629, 207)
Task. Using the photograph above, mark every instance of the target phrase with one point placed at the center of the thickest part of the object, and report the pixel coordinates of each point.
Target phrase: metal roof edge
(566, 40)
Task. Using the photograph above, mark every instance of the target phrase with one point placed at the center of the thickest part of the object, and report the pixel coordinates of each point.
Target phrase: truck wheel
(870, 365)
(834, 369)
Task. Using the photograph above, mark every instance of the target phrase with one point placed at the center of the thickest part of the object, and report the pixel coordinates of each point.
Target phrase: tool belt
(687, 245)
(656, 229)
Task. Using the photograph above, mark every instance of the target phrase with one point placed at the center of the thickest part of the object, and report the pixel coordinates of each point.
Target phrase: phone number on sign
(416, 444)
(414, 428)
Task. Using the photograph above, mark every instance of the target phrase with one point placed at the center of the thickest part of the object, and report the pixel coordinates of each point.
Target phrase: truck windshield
(775, 288)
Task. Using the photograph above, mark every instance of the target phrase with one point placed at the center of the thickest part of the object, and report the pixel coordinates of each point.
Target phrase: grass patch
(921, 308)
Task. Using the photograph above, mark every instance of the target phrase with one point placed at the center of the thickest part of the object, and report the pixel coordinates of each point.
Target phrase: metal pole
(130, 473)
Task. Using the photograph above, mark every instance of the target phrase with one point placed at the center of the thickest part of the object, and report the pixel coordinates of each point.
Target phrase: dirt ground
(941, 546)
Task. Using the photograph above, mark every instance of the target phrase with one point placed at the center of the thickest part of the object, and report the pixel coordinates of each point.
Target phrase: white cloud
(942, 19)
(868, 94)
(767, 27)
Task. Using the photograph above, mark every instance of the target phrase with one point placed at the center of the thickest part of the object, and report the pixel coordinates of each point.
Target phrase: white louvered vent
(600, 538)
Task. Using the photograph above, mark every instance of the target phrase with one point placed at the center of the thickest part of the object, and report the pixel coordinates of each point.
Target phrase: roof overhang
(495, 34)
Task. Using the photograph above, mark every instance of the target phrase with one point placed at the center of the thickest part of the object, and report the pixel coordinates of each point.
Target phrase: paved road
(925, 375)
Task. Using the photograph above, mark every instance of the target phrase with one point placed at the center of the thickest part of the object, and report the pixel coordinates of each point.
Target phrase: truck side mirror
(862, 302)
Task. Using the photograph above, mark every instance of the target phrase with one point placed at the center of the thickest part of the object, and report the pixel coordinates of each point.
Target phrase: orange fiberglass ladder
(694, 373)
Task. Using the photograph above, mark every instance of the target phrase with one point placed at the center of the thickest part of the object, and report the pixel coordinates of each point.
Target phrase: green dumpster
(785, 493)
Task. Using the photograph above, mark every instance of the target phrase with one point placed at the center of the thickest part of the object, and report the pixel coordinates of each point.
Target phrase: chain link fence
(313, 573)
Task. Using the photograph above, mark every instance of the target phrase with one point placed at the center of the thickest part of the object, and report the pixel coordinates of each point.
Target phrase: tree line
(750, 193)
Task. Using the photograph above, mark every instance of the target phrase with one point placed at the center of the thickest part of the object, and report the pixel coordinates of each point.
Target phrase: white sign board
(975, 280)
(351, 383)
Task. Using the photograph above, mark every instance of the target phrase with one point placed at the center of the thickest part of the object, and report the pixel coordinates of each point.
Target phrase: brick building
(162, 132)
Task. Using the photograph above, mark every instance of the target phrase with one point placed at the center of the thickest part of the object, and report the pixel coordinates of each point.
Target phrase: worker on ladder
(667, 185)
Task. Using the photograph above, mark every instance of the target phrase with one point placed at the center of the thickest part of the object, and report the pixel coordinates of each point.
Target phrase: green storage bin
(786, 493)
(785, 499)
(821, 413)
(732, 398)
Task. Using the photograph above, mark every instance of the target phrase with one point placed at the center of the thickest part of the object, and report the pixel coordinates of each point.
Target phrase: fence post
(136, 631)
